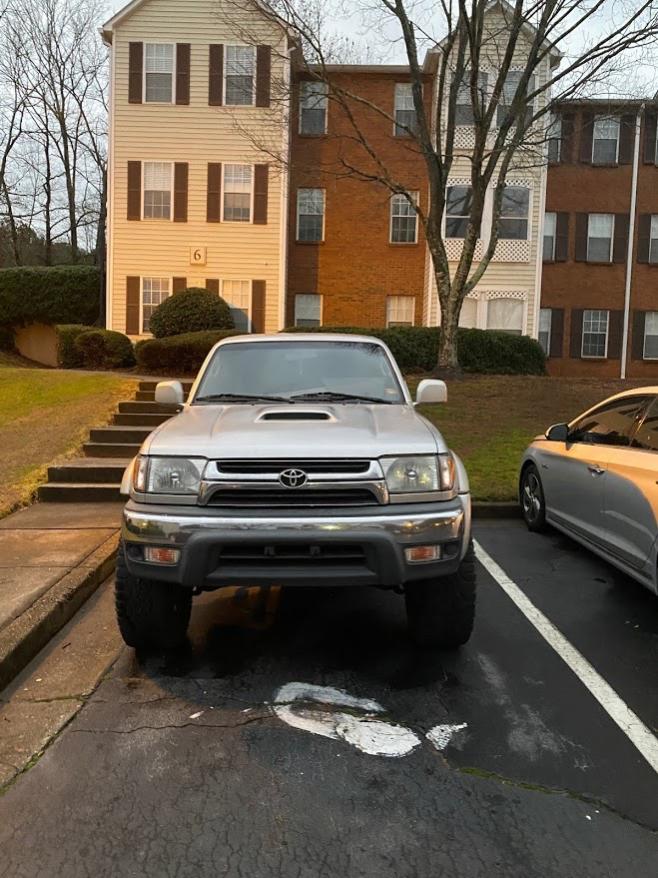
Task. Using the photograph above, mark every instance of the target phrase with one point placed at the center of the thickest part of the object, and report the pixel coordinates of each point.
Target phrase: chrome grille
(274, 467)
(281, 498)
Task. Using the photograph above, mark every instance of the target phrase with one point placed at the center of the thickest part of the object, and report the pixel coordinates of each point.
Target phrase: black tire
(533, 504)
(150, 614)
(441, 611)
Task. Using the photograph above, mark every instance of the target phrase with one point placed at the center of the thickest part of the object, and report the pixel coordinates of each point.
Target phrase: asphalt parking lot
(185, 766)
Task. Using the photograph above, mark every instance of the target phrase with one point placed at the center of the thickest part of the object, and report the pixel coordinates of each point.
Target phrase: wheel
(532, 499)
(441, 611)
(150, 613)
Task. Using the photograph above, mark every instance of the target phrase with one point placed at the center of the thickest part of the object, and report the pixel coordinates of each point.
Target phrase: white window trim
(298, 214)
(395, 109)
(612, 242)
(550, 328)
(326, 115)
(173, 74)
(486, 205)
(151, 219)
(608, 118)
(524, 319)
(254, 78)
(607, 338)
(651, 239)
(251, 207)
(415, 193)
(401, 296)
(552, 259)
(530, 191)
(142, 278)
(320, 297)
(644, 343)
(239, 280)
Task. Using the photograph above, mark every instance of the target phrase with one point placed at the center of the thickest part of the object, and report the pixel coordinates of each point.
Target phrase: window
(468, 316)
(600, 230)
(400, 310)
(510, 87)
(154, 291)
(158, 73)
(595, 334)
(505, 315)
(157, 190)
(404, 220)
(458, 210)
(513, 222)
(653, 239)
(605, 142)
(464, 104)
(646, 436)
(550, 220)
(237, 295)
(650, 335)
(310, 214)
(405, 114)
(237, 193)
(554, 137)
(239, 69)
(313, 108)
(308, 309)
(545, 319)
(610, 424)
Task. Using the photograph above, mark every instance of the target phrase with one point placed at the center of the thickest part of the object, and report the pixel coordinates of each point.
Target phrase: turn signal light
(419, 554)
(155, 555)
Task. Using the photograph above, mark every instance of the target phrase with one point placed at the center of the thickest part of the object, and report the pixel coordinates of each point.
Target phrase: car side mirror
(558, 433)
(169, 393)
(431, 391)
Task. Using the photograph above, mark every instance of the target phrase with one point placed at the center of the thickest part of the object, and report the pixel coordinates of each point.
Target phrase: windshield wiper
(330, 395)
(240, 397)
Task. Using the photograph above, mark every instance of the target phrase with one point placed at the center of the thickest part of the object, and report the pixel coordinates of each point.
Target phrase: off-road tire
(441, 611)
(150, 614)
(533, 502)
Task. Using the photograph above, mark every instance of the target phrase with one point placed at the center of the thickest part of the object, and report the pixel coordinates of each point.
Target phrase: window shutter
(180, 192)
(182, 73)
(261, 183)
(637, 345)
(135, 72)
(258, 288)
(562, 237)
(263, 75)
(626, 138)
(557, 333)
(643, 237)
(650, 120)
(586, 136)
(581, 237)
(566, 145)
(212, 285)
(620, 243)
(576, 348)
(216, 76)
(214, 196)
(178, 284)
(132, 305)
(134, 191)
(614, 335)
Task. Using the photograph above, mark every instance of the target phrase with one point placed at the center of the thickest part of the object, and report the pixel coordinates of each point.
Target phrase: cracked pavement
(177, 765)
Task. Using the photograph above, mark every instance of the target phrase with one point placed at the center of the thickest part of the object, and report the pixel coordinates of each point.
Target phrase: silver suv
(298, 460)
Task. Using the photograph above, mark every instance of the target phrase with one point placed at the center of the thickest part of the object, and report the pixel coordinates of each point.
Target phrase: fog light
(418, 554)
(155, 555)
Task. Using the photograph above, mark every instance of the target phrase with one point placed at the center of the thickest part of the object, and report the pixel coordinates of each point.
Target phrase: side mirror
(431, 391)
(169, 393)
(558, 433)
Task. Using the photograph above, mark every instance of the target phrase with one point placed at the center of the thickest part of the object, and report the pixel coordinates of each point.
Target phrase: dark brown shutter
(620, 243)
(576, 347)
(637, 344)
(566, 146)
(178, 284)
(581, 237)
(216, 76)
(261, 182)
(586, 136)
(263, 75)
(650, 119)
(212, 285)
(132, 305)
(134, 191)
(557, 333)
(614, 334)
(258, 305)
(135, 72)
(643, 237)
(626, 139)
(562, 237)
(181, 174)
(182, 73)
(214, 195)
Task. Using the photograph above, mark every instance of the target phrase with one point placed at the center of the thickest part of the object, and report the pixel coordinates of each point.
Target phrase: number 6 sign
(197, 255)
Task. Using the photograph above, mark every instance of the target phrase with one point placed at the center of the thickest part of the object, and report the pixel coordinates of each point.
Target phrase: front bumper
(339, 547)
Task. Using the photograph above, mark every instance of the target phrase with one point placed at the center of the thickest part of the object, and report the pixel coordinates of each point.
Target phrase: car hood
(294, 431)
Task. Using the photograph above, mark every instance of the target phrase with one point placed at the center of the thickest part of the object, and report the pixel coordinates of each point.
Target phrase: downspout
(631, 236)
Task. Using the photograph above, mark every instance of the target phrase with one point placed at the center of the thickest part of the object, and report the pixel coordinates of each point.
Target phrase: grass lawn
(45, 414)
(489, 420)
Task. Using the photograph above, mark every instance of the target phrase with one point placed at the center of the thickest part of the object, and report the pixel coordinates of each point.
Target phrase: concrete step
(151, 385)
(111, 449)
(89, 470)
(138, 419)
(147, 408)
(119, 434)
(67, 492)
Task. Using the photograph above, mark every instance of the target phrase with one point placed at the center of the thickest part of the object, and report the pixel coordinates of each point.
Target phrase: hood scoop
(295, 414)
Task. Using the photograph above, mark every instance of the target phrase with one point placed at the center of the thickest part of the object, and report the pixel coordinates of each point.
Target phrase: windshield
(253, 370)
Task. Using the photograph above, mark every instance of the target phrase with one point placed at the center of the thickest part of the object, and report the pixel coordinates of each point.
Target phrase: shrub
(104, 349)
(68, 356)
(193, 310)
(61, 294)
(180, 354)
(6, 339)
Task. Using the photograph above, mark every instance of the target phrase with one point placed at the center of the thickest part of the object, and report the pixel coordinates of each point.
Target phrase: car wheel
(532, 499)
(441, 611)
(150, 613)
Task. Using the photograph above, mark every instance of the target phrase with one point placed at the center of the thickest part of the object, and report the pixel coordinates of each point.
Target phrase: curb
(25, 636)
(496, 510)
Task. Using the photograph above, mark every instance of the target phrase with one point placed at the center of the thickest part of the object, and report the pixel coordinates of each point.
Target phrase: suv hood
(294, 431)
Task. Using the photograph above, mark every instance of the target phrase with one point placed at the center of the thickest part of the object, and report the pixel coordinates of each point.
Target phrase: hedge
(104, 349)
(68, 356)
(61, 294)
(193, 310)
(182, 354)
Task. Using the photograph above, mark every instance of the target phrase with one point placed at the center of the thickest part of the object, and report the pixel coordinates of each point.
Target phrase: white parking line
(630, 724)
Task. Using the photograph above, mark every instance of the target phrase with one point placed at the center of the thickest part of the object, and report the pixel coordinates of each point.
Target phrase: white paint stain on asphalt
(441, 736)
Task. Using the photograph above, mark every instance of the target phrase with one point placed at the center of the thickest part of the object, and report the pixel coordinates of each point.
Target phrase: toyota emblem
(293, 478)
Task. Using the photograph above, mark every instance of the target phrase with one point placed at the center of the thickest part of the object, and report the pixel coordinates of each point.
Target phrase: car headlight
(168, 475)
(419, 474)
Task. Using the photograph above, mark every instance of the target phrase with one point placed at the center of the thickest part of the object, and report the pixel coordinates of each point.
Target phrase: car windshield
(352, 371)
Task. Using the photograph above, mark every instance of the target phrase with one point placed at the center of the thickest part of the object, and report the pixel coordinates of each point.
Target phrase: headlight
(416, 475)
(168, 475)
